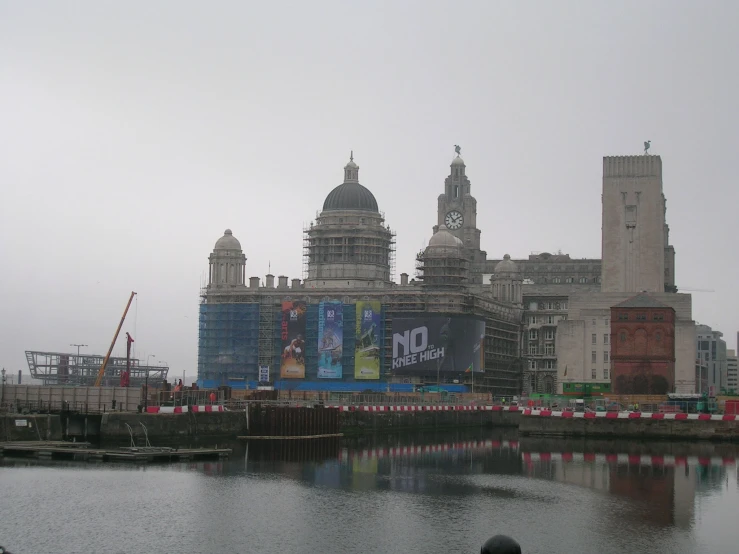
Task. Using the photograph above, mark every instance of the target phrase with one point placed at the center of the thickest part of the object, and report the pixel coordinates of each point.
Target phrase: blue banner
(330, 339)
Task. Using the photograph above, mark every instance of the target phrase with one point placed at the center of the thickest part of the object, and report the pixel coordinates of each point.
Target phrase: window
(533, 351)
(659, 316)
(557, 305)
(532, 364)
(550, 319)
(594, 339)
(556, 280)
(564, 305)
(606, 338)
(549, 334)
(549, 349)
(583, 279)
(605, 356)
(532, 320)
(569, 280)
(641, 317)
(593, 374)
(533, 334)
(622, 337)
(605, 373)
(548, 364)
(592, 322)
(594, 356)
(623, 316)
(658, 336)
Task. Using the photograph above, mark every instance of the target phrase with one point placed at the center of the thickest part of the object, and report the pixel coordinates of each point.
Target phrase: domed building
(349, 244)
(347, 325)
(443, 263)
(507, 282)
(227, 262)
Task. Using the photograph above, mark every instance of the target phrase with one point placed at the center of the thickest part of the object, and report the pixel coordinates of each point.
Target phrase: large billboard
(438, 344)
(330, 339)
(292, 333)
(367, 352)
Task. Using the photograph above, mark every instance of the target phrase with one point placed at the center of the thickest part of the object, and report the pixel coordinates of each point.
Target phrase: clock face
(454, 220)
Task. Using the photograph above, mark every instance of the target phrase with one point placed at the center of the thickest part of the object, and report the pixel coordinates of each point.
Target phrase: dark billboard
(436, 343)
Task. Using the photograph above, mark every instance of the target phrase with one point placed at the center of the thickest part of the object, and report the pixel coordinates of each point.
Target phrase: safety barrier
(183, 409)
(630, 415)
(428, 408)
(629, 459)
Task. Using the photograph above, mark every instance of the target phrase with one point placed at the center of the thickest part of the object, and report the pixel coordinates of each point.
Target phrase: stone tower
(349, 245)
(443, 264)
(457, 211)
(227, 262)
(636, 253)
(507, 283)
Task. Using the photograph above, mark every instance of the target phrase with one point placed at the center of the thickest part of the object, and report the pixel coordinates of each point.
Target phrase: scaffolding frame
(58, 368)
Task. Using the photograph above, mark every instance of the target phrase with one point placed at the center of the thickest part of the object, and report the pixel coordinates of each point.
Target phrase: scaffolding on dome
(57, 368)
(447, 269)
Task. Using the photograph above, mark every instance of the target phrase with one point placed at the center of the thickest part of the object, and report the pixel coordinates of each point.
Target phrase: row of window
(547, 320)
(548, 350)
(657, 316)
(542, 364)
(559, 306)
(594, 356)
(534, 334)
(606, 338)
(594, 373)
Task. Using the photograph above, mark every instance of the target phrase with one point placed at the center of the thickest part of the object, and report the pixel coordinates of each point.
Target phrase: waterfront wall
(171, 428)
(80, 399)
(633, 428)
(30, 427)
(360, 422)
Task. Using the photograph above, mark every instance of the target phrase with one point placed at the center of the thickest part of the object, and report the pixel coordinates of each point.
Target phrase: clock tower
(458, 212)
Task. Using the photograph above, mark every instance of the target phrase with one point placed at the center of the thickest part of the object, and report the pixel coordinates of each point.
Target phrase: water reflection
(427, 492)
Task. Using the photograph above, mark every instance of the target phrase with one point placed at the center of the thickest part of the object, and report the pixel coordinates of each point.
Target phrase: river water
(444, 493)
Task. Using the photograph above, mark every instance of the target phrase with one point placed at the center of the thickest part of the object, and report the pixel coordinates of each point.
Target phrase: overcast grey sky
(133, 133)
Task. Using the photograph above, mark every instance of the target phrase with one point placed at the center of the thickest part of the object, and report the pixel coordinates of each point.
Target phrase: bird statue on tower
(647, 144)
(457, 149)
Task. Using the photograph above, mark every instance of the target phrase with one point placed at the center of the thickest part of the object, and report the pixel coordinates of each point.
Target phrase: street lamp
(78, 348)
(146, 382)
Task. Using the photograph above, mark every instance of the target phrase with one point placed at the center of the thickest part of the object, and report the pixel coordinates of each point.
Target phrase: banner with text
(330, 339)
(367, 353)
(443, 344)
(292, 333)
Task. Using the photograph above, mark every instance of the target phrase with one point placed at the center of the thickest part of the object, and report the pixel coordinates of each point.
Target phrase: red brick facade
(642, 347)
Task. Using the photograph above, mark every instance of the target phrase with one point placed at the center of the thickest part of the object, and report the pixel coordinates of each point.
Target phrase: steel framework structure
(56, 368)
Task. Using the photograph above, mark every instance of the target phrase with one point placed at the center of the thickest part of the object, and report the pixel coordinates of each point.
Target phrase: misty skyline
(133, 134)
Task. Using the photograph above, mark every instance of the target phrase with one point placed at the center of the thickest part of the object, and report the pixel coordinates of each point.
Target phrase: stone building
(732, 372)
(252, 332)
(637, 258)
(642, 346)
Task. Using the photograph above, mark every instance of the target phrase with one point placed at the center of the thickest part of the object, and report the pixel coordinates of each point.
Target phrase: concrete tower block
(633, 235)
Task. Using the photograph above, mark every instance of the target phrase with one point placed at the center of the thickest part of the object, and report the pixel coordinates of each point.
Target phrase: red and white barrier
(182, 409)
(630, 415)
(629, 459)
(429, 408)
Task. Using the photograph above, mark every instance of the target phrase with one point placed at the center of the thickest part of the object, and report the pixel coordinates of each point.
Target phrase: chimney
(296, 283)
(403, 278)
(270, 281)
(282, 282)
(253, 282)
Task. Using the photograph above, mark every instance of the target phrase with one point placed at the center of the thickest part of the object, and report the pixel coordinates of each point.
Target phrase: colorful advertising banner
(292, 333)
(330, 339)
(264, 374)
(445, 344)
(367, 355)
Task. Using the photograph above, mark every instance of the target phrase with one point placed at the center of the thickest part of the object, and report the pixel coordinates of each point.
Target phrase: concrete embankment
(30, 427)
(632, 428)
(171, 428)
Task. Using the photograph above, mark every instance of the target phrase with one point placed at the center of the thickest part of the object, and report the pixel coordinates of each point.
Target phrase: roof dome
(443, 237)
(506, 265)
(351, 196)
(458, 161)
(227, 242)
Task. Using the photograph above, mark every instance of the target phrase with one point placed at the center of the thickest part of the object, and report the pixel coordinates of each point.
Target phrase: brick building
(642, 346)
